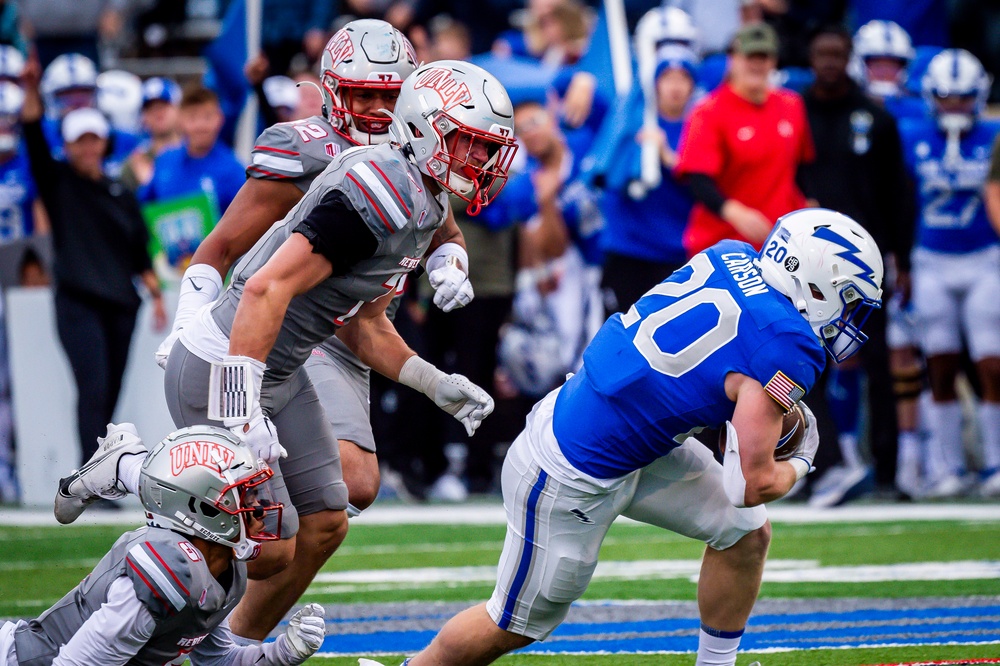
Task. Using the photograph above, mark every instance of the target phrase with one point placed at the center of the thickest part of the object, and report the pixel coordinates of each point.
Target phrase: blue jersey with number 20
(656, 374)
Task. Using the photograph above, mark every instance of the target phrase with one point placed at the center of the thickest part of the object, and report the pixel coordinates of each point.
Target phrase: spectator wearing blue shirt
(18, 193)
(201, 162)
(644, 230)
(561, 228)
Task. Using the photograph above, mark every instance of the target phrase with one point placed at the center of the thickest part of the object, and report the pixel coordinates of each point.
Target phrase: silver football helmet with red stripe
(457, 123)
(364, 56)
(205, 482)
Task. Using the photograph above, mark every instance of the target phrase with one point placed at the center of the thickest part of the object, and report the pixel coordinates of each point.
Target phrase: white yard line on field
(493, 514)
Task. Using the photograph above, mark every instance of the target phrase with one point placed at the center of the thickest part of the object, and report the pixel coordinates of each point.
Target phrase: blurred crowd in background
(737, 112)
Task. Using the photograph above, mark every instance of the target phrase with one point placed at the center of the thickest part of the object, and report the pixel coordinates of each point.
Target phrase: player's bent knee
(274, 557)
(324, 531)
(362, 489)
(756, 543)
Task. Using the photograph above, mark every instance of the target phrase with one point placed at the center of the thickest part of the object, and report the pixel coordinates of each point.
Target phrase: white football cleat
(990, 486)
(947, 487)
(369, 662)
(98, 478)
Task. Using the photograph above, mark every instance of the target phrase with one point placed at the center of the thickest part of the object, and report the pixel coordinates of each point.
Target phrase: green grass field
(39, 564)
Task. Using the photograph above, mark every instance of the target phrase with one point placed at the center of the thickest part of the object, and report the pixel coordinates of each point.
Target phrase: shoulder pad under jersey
(296, 151)
(169, 574)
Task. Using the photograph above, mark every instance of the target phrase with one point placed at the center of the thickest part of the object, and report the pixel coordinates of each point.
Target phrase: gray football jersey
(170, 578)
(388, 193)
(297, 151)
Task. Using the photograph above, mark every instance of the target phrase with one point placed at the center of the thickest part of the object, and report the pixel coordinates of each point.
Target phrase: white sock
(129, 467)
(717, 648)
(989, 426)
(909, 450)
(849, 450)
(945, 455)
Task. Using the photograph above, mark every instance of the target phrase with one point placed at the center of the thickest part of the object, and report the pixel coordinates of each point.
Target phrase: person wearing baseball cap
(742, 148)
(159, 119)
(100, 245)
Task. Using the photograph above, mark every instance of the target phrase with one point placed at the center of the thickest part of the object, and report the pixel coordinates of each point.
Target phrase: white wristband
(420, 375)
(200, 284)
(234, 390)
(801, 467)
(438, 257)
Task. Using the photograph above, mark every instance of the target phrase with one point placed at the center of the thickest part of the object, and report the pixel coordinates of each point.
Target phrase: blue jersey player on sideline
(956, 263)
(733, 339)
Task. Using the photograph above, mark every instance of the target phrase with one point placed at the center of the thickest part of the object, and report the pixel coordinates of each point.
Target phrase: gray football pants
(309, 480)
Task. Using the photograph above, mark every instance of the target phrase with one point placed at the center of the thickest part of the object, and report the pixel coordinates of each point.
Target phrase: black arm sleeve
(43, 166)
(706, 192)
(338, 232)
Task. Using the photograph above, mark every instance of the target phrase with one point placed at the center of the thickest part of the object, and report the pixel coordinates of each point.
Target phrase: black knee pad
(909, 383)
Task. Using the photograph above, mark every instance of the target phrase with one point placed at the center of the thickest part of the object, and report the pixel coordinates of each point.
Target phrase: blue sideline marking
(980, 624)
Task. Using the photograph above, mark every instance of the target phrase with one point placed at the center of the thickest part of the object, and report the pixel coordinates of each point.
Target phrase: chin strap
(246, 551)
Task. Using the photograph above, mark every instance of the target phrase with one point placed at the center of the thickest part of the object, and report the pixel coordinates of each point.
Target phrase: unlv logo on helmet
(192, 453)
(340, 47)
(439, 79)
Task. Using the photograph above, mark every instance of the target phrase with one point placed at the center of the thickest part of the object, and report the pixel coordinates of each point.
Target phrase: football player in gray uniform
(362, 69)
(162, 594)
(332, 265)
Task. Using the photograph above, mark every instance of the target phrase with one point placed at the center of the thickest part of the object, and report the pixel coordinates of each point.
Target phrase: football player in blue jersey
(733, 339)
(956, 263)
(883, 53)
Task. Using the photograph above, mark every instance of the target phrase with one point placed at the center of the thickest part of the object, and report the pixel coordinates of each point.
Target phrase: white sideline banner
(44, 394)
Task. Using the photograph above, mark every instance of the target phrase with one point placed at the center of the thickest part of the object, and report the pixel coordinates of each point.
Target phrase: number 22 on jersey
(717, 325)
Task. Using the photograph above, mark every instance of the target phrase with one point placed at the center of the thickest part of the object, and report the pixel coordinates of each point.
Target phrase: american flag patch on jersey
(784, 391)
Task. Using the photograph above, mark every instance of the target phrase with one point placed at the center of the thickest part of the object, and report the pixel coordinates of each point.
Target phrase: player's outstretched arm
(749, 465)
(293, 270)
(373, 338)
(258, 205)
(303, 637)
(113, 634)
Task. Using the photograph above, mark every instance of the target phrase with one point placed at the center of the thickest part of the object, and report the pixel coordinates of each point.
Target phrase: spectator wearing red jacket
(742, 147)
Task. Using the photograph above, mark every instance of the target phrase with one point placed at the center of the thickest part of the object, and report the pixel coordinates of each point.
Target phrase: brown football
(793, 427)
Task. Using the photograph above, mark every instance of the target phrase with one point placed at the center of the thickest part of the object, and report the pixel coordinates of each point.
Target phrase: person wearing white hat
(100, 242)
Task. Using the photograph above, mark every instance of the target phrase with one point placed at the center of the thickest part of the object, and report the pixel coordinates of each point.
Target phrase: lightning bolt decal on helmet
(830, 268)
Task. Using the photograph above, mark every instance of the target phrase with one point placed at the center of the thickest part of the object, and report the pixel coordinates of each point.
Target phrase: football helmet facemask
(882, 39)
(956, 87)
(456, 122)
(364, 56)
(204, 482)
(68, 83)
(830, 268)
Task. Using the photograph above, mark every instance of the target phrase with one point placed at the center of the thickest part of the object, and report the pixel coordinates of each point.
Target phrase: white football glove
(304, 636)
(162, 352)
(806, 451)
(454, 394)
(452, 288)
(464, 400)
(261, 437)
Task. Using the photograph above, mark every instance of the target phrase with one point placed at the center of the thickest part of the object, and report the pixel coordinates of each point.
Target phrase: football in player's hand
(793, 428)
